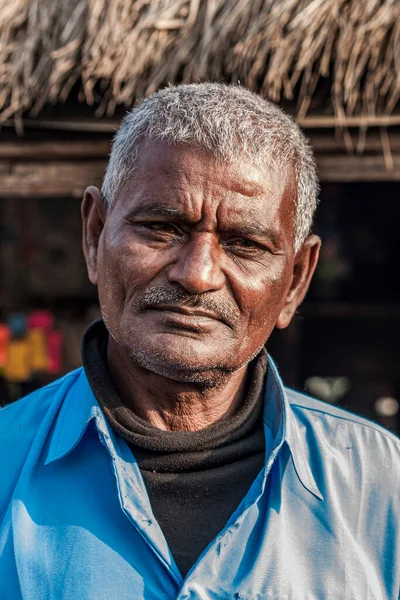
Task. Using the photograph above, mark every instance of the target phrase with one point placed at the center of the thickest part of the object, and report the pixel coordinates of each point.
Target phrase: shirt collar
(285, 427)
(80, 407)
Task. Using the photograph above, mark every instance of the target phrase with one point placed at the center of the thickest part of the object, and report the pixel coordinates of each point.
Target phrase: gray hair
(227, 122)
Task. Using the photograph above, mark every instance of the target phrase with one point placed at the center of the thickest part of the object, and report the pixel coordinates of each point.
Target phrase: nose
(197, 267)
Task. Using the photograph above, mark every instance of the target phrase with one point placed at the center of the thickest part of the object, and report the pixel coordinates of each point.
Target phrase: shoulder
(335, 415)
(342, 434)
(352, 458)
(25, 421)
(355, 464)
(22, 418)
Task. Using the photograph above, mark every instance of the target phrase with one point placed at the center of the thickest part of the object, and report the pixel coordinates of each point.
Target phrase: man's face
(194, 263)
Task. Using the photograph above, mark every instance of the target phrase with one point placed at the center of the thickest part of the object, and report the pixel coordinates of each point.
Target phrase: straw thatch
(121, 50)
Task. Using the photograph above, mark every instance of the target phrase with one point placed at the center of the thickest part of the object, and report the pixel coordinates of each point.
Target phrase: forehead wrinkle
(236, 185)
(250, 209)
(190, 166)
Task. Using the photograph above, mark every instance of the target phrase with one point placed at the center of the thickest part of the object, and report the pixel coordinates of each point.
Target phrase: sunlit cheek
(259, 287)
(264, 306)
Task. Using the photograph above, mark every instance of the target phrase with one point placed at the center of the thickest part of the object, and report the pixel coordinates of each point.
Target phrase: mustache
(156, 296)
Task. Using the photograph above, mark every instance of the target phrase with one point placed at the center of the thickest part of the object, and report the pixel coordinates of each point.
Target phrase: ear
(305, 261)
(93, 212)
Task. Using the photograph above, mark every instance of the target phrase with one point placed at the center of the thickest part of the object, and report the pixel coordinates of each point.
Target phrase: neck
(173, 405)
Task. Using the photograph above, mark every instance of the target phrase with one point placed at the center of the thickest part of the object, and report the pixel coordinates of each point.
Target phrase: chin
(179, 368)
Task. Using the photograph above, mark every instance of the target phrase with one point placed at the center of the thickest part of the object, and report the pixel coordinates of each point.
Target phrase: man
(175, 465)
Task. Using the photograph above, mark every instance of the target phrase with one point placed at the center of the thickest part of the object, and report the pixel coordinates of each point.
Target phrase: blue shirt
(320, 522)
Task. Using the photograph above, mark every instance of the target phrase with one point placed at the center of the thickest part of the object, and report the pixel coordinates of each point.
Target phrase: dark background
(343, 344)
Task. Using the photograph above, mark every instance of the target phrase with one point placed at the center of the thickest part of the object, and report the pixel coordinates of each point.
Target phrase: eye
(158, 226)
(243, 245)
(159, 230)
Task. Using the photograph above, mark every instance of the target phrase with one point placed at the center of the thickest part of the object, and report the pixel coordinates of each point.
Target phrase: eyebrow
(162, 210)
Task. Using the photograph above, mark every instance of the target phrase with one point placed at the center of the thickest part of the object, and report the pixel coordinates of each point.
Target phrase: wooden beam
(332, 122)
(337, 167)
(90, 125)
(55, 150)
(49, 178)
(325, 142)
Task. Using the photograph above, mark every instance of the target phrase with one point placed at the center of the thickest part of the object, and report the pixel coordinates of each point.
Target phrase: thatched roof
(120, 50)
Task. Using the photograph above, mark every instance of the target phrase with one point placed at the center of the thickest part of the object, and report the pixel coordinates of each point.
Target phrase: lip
(188, 311)
(195, 320)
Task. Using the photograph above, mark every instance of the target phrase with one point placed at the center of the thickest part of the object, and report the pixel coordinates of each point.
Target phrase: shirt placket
(191, 588)
(136, 506)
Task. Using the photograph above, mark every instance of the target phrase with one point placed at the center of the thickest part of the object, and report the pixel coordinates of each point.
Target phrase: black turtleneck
(195, 480)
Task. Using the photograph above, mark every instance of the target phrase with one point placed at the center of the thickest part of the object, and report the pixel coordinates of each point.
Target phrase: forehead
(192, 181)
